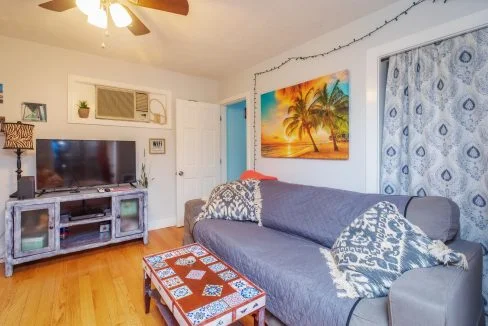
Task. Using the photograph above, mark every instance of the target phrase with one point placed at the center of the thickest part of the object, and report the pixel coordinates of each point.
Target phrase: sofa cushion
(253, 174)
(316, 213)
(238, 200)
(377, 248)
(289, 268)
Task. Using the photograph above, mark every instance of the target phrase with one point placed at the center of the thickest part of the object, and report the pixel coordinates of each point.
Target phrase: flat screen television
(67, 164)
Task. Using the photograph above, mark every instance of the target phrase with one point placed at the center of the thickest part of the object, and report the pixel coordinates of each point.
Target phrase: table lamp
(18, 136)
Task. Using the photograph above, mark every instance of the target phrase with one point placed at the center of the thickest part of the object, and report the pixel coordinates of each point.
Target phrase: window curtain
(435, 130)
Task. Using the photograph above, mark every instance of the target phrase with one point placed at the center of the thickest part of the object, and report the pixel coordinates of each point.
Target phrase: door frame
(373, 64)
(249, 131)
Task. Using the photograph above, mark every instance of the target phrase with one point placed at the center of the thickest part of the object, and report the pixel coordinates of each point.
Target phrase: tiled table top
(201, 289)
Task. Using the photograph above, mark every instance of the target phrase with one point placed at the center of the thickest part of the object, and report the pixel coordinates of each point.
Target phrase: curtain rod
(434, 42)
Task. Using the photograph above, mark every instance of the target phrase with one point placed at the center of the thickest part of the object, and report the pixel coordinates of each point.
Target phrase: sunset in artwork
(307, 120)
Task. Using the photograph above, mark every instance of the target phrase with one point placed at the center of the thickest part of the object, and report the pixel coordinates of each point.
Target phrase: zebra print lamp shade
(18, 135)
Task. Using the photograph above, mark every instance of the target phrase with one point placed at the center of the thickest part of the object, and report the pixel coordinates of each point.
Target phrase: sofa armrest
(192, 209)
(440, 295)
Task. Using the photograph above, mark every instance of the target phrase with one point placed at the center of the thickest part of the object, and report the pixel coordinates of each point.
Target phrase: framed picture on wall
(309, 120)
(34, 112)
(157, 146)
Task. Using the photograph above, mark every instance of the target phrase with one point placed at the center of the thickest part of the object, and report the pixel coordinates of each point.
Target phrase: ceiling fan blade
(137, 27)
(179, 7)
(58, 5)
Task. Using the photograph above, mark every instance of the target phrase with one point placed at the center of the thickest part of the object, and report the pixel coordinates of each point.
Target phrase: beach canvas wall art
(309, 120)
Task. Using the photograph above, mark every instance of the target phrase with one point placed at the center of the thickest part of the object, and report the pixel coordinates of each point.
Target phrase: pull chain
(106, 34)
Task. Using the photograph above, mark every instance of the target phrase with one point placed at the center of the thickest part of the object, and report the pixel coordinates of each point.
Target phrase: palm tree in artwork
(301, 119)
(332, 109)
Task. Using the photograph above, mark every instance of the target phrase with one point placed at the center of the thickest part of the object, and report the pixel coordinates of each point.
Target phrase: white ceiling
(217, 38)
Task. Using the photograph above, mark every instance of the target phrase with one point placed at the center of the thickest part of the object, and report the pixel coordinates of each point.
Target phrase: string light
(323, 54)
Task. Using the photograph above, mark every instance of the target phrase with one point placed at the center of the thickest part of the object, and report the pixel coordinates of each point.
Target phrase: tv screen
(64, 163)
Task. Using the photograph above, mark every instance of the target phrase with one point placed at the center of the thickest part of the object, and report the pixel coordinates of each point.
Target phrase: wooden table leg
(168, 317)
(259, 321)
(147, 291)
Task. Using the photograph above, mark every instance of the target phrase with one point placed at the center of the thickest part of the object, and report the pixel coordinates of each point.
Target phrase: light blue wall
(236, 140)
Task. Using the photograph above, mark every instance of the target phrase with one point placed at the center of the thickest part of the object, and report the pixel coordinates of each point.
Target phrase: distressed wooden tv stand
(46, 226)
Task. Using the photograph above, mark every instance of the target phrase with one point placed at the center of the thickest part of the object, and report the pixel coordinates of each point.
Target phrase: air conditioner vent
(115, 103)
(142, 106)
(142, 100)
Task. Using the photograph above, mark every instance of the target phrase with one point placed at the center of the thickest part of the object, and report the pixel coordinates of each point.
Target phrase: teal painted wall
(236, 140)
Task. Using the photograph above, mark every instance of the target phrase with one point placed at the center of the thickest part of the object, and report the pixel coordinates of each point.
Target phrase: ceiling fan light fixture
(98, 18)
(88, 7)
(120, 15)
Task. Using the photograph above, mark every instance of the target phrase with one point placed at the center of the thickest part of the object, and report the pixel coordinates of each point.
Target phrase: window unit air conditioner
(121, 104)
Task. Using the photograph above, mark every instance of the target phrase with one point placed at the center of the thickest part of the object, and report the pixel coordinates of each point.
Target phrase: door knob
(180, 173)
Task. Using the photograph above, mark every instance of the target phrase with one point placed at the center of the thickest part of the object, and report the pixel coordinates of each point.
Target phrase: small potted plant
(83, 109)
(145, 176)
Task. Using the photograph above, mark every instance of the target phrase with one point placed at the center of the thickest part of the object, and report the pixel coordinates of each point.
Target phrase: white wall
(349, 174)
(33, 72)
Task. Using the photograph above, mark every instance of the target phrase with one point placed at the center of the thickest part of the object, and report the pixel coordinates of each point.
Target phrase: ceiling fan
(99, 10)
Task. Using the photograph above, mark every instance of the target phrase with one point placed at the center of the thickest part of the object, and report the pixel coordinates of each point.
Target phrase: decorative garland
(323, 54)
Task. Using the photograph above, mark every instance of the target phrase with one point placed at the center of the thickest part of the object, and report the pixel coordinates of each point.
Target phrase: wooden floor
(97, 287)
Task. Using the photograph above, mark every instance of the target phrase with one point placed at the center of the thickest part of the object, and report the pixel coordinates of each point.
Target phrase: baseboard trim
(162, 223)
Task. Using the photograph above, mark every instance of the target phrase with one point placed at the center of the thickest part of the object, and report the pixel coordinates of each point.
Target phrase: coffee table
(192, 286)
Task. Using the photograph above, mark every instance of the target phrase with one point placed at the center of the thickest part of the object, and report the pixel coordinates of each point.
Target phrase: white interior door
(197, 152)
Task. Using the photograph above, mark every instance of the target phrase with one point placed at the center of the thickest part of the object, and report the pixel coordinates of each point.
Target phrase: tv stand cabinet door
(129, 215)
(34, 229)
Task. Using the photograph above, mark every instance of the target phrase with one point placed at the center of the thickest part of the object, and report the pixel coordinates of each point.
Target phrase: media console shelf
(62, 223)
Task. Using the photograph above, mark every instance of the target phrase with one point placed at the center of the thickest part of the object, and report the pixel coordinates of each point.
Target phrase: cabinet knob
(51, 227)
(118, 216)
(181, 173)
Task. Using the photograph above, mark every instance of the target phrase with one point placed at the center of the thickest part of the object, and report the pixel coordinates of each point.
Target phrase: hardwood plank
(14, 304)
(97, 287)
(34, 297)
(103, 295)
(87, 309)
(73, 306)
(15, 297)
(60, 294)
(43, 314)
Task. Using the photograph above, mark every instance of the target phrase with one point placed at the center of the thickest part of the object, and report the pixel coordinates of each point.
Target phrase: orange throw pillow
(251, 174)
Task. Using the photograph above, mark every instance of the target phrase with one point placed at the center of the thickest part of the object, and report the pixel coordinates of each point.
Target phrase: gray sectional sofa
(282, 257)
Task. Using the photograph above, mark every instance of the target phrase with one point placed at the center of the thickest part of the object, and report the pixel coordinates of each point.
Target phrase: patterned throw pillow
(239, 201)
(377, 248)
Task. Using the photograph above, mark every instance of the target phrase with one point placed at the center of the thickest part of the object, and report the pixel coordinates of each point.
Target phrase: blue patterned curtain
(435, 135)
